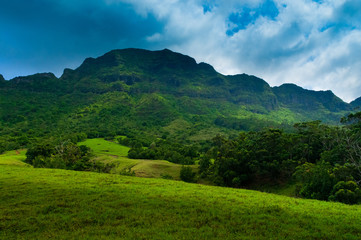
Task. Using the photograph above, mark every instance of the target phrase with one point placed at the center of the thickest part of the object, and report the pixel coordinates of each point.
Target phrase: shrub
(346, 192)
(187, 175)
(166, 176)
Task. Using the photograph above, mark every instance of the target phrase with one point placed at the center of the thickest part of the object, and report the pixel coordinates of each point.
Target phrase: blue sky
(315, 44)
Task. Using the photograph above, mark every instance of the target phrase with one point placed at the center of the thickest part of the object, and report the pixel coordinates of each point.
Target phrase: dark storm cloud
(52, 34)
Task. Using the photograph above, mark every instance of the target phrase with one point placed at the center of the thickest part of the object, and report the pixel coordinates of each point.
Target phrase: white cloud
(305, 44)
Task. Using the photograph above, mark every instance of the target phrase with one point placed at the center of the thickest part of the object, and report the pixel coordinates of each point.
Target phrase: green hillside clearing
(111, 152)
(15, 157)
(100, 146)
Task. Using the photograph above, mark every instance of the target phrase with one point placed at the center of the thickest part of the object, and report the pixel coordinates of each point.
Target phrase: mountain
(321, 105)
(356, 103)
(147, 94)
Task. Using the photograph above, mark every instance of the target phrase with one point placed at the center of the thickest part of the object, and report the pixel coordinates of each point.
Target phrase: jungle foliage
(324, 161)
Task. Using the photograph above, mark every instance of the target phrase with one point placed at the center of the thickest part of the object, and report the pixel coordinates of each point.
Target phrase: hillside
(148, 94)
(356, 103)
(60, 204)
(112, 153)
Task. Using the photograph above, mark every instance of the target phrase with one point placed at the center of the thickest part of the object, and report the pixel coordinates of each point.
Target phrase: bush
(187, 175)
(166, 176)
(316, 180)
(65, 155)
(346, 192)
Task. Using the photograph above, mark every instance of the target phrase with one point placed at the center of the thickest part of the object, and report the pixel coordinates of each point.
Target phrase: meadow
(62, 204)
(111, 152)
(15, 157)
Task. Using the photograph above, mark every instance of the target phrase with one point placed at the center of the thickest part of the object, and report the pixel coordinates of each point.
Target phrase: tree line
(324, 161)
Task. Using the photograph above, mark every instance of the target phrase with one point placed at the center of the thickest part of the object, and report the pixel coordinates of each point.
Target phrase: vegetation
(165, 149)
(15, 157)
(148, 95)
(112, 154)
(62, 204)
(323, 161)
(187, 174)
(100, 146)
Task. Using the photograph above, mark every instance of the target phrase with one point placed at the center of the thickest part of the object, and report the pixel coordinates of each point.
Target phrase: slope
(60, 204)
(112, 153)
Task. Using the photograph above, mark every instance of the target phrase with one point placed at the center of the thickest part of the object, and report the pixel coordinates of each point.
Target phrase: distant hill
(356, 103)
(149, 94)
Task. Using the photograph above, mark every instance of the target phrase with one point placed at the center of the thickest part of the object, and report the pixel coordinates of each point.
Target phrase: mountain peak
(34, 77)
(139, 60)
(290, 86)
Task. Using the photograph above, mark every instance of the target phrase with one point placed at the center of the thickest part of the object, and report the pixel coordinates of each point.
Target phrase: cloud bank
(315, 44)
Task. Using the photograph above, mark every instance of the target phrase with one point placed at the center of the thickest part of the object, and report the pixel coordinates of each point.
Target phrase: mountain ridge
(108, 58)
(148, 94)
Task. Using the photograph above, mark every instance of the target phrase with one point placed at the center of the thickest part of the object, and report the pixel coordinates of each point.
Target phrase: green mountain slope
(146, 94)
(356, 103)
(60, 204)
(321, 105)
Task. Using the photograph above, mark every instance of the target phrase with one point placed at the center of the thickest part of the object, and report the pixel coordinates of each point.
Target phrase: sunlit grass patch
(100, 146)
(112, 153)
(15, 157)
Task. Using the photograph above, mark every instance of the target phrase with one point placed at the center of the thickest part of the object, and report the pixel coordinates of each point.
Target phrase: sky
(315, 44)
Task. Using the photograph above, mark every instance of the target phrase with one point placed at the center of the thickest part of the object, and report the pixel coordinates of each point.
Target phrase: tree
(41, 149)
(316, 180)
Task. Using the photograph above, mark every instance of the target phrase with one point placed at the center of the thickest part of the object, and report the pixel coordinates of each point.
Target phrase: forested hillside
(152, 94)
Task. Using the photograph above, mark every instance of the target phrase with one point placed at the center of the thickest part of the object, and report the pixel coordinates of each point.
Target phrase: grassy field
(15, 157)
(100, 146)
(110, 152)
(61, 204)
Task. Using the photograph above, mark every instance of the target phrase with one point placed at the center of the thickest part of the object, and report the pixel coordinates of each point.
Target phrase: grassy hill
(110, 152)
(15, 157)
(61, 204)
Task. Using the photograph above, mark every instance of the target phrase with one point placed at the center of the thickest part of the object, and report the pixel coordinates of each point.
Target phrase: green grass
(15, 157)
(285, 189)
(147, 168)
(110, 152)
(102, 147)
(60, 204)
